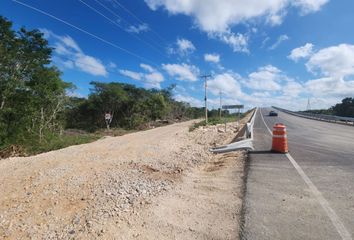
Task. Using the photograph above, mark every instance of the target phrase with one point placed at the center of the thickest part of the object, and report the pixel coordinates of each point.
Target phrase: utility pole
(220, 106)
(205, 76)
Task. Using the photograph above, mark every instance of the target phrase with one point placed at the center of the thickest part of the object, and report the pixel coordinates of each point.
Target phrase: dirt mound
(102, 189)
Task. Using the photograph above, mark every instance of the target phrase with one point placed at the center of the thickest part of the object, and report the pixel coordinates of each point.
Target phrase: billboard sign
(232, 106)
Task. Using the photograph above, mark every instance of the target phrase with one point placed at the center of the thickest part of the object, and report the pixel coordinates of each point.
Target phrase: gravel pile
(86, 191)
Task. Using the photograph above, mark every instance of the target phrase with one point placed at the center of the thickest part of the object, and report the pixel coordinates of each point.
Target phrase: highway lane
(279, 203)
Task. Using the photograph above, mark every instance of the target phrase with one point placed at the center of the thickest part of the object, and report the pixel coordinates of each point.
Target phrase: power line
(115, 73)
(61, 57)
(128, 11)
(137, 18)
(109, 10)
(308, 108)
(205, 76)
(126, 21)
(104, 16)
(84, 31)
(98, 12)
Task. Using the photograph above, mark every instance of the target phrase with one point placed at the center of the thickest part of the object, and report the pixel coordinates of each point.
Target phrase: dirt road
(157, 184)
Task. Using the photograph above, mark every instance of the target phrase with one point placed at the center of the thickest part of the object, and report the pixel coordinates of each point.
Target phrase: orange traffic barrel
(280, 140)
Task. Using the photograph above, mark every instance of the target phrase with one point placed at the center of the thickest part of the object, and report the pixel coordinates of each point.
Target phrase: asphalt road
(306, 194)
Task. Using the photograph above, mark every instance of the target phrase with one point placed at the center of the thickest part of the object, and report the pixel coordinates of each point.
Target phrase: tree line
(34, 104)
(32, 94)
(343, 109)
(129, 106)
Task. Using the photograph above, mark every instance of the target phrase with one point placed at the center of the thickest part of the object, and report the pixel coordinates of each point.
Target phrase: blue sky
(259, 53)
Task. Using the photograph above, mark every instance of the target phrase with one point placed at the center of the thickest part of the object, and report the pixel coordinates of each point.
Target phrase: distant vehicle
(273, 114)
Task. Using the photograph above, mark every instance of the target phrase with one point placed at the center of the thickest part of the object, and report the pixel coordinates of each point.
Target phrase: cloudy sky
(259, 53)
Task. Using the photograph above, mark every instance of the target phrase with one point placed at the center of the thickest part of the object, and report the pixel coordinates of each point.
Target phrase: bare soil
(157, 184)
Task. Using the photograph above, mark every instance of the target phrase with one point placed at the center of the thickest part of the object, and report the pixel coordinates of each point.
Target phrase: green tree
(47, 100)
(132, 106)
(344, 109)
(31, 92)
(22, 55)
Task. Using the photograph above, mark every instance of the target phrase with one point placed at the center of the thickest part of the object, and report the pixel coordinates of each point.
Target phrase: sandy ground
(206, 205)
(157, 184)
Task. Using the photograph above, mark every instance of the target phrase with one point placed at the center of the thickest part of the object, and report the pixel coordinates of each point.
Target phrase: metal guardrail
(320, 117)
(247, 137)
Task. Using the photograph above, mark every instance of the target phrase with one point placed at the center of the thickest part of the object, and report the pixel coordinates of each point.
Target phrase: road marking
(343, 232)
(260, 112)
(324, 203)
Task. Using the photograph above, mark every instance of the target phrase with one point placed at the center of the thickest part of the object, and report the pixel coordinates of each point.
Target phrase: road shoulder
(278, 203)
(205, 205)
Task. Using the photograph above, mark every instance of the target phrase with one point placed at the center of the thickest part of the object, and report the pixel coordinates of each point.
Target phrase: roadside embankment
(161, 183)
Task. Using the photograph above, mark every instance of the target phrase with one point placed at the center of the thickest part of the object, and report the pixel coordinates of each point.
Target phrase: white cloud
(69, 42)
(66, 44)
(308, 6)
(90, 65)
(214, 58)
(335, 61)
(139, 28)
(194, 102)
(217, 17)
(238, 42)
(301, 52)
(280, 39)
(61, 49)
(270, 86)
(182, 72)
(112, 65)
(151, 79)
(323, 102)
(183, 47)
(63, 64)
(293, 89)
(46, 33)
(231, 84)
(261, 94)
(227, 83)
(69, 55)
(221, 15)
(147, 67)
(330, 87)
(264, 42)
(254, 30)
(181, 94)
(68, 64)
(276, 18)
(131, 74)
(267, 78)
(335, 66)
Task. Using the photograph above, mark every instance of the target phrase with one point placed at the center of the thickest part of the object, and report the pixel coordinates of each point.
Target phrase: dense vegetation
(32, 95)
(131, 107)
(343, 109)
(35, 108)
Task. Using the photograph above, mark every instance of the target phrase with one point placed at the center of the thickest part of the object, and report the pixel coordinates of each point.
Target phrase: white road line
(343, 232)
(260, 112)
